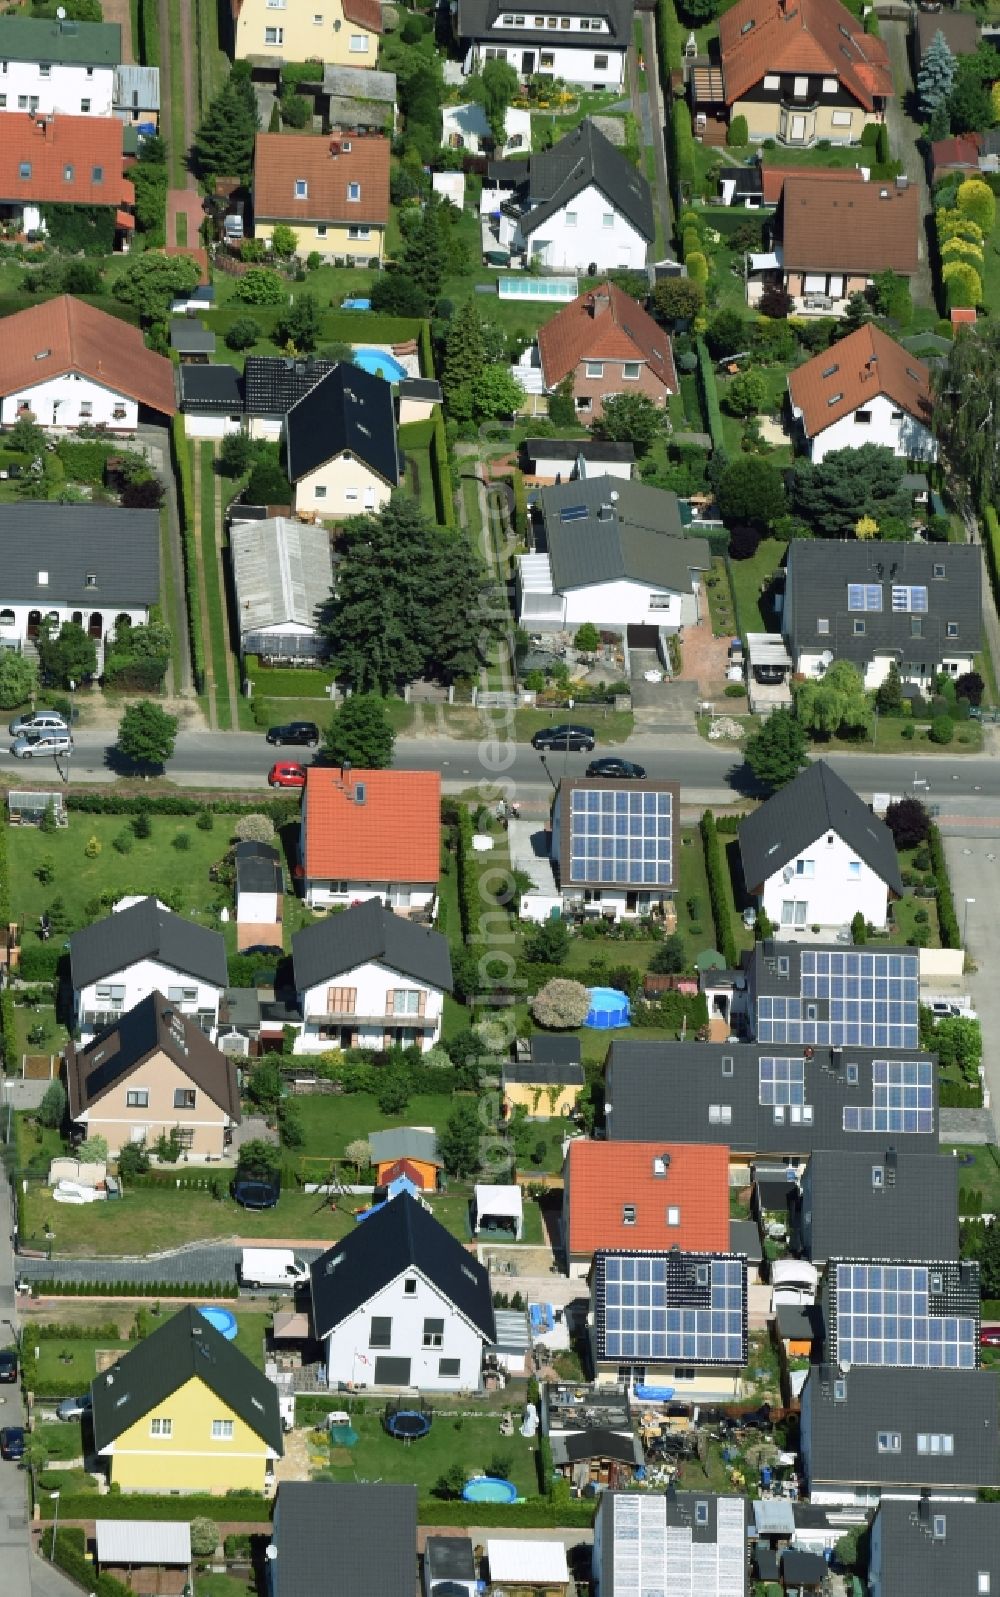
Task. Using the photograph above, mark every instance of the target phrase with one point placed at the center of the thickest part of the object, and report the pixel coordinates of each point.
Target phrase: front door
(798, 132)
(527, 63)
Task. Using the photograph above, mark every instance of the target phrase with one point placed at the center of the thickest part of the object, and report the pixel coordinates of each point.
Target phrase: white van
(274, 1268)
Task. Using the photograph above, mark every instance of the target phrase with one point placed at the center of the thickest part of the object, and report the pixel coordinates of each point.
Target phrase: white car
(947, 1009)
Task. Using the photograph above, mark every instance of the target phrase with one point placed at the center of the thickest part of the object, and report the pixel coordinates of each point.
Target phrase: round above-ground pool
(380, 363)
(488, 1489)
(407, 1424)
(608, 1007)
(221, 1320)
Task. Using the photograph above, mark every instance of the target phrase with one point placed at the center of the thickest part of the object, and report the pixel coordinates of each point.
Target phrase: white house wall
(573, 246)
(323, 894)
(918, 665)
(572, 63)
(70, 89)
(832, 895)
(269, 427)
(139, 980)
(622, 604)
(211, 426)
(258, 909)
(15, 615)
(60, 404)
(889, 427)
(372, 983)
(350, 1358)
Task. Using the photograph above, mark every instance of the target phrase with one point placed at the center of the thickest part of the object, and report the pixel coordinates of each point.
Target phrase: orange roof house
(300, 178)
(644, 1195)
(610, 345)
(368, 834)
(71, 160)
(801, 38)
(866, 366)
(66, 335)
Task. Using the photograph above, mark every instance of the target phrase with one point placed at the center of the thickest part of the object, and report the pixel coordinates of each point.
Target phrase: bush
(561, 1005)
(714, 869)
(737, 133)
(942, 729)
(242, 333)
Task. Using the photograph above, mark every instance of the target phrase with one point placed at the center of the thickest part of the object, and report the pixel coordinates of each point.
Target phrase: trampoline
(608, 1007)
(488, 1489)
(407, 1424)
(221, 1320)
(380, 363)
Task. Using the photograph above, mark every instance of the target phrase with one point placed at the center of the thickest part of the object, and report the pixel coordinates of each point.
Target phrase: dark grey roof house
(925, 1549)
(348, 409)
(551, 179)
(867, 1432)
(405, 1142)
(804, 817)
(869, 602)
(274, 383)
(826, 995)
(184, 1348)
(146, 931)
(344, 1539)
(489, 23)
(703, 1299)
(603, 529)
(98, 557)
(188, 336)
(670, 1541)
(370, 933)
(889, 1203)
(778, 1101)
(258, 868)
(215, 390)
(449, 1559)
(914, 1314)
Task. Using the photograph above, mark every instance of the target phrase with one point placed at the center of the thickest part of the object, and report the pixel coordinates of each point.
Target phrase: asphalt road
(705, 773)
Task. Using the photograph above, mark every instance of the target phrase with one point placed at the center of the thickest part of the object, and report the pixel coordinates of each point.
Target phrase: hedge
(426, 349)
(520, 505)
(683, 145)
(8, 1035)
(468, 897)
(959, 1095)
(535, 1513)
(127, 1289)
(247, 1507)
(185, 508)
(444, 492)
(717, 889)
(279, 810)
(947, 919)
(992, 541)
(670, 41)
(39, 962)
(149, 33)
(710, 396)
(70, 1555)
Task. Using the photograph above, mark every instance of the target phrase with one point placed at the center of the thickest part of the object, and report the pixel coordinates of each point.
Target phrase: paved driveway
(903, 136)
(200, 1265)
(974, 868)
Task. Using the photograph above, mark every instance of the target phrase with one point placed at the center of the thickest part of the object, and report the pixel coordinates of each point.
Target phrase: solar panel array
(652, 1558)
(912, 601)
(654, 1307)
(883, 1316)
(864, 596)
(902, 1098)
(869, 1000)
(621, 836)
(782, 1081)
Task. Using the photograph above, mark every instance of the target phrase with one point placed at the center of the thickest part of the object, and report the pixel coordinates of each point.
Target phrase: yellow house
(341, 446)
(548, 1084)
(154, 1074)
(332, 192)
(340, 33)
(186, 1411)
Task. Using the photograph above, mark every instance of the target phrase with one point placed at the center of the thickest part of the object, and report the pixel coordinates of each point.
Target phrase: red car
(285, 773)
(989, 1336)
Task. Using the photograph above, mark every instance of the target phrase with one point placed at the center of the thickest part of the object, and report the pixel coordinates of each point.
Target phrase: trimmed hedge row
(238, 1506)
(717, 890)
(130, 1289)
(8, 1035)
(185, 508)
(951, 937)
(992, 541)
(70, 1555)
(959, 1095)
(468, 898)
(278, 810)
(536, 1513)
(710, 396)
(444, 491)
(683, 147)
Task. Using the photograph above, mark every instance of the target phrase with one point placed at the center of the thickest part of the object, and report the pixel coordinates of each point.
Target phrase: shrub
(975, 199)
(243, 333)
(697, 267)
(123, 841)
(942, 729)
(738, 133)
(561, 1004)
(254, 829)
(963, 286)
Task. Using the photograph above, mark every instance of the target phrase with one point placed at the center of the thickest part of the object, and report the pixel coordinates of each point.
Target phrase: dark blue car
(12, 1442)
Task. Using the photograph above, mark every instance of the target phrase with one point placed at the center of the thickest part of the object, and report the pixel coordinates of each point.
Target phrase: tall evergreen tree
(464, 348)
(936, 77)
(425, 249)
(224, 143)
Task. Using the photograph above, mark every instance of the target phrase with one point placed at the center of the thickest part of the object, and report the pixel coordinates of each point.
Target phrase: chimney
(334, 148)
(902, 182)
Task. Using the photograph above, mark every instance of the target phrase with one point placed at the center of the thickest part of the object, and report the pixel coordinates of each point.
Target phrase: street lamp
(965, 921)
(55, 1528)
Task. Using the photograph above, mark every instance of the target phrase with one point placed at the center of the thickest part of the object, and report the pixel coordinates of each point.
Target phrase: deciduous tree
(909, 822)
(630, 419)
(67, 656)
(147, 733)
(837, 702)
(776, 752)
(18, 679)
(151, 281)
(360, 731)
(678, 299)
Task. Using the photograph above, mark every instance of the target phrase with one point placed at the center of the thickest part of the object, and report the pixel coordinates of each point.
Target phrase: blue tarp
(654, 1394)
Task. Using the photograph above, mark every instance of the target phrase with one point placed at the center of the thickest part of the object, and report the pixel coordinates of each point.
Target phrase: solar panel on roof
(909, 600)
(902, 1098)
(621, 836)
(864, 595)
(651, 1309)
(883, 1315)
(866, 1000)
(573, 513)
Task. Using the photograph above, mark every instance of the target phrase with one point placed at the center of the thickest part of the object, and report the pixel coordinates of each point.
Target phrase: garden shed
(28, 809)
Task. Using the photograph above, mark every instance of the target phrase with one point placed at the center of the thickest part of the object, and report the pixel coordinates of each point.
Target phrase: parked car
(302, 732)
(285, 773)
(74, 1408)
(32, 746)
(989, 1336)
(12, 1442)
(623, 769)
(565, 737)
(38, 721)
(947, 1009)
(256, 1192)
(8, 1366)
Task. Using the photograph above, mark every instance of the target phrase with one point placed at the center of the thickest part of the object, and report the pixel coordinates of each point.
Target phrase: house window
(859, 628)
(952, 629)
(852, 1075)
(546, 60)
(222, 1430)
(793, 912)
(354, 192)
(800, 88)
(405, 1002)
(67, 174)
(137, 1098)
(433, 1333)
(380, 1334)
(449, 1369)
(317, 19)
(937, 1283)
(161, 1428)
(97, 174)
(854, 869)
(772, 81)
(301, 188)
(890, 1442)
(805, 867)
(934, 1442)
(341, 1000)
(86, 409)
(359, 43)
(720, 1114)
(673, 1216)
(184, 1097)
(564, 23)
(319, 492)
(350, 495)
(24, 170)
(3, 102)
(600, 63)
(939, 571)
(570, 218)
(823, 626)
(84, 107)
(829, 85)
(983, 1583)
(321, 230)
(916, 627)
(631, 370)
(594, 368)
(410, 1287)
(701, 1513)
(274, 35)
(840, 1391)
(359, 232)
(727, 1064)
(44, 70)
(607, 219)
(841, 119)
(628, 1214)
(940, 1527)
(182, 995)
(863, 418)
(878, 1177)
(896, 415)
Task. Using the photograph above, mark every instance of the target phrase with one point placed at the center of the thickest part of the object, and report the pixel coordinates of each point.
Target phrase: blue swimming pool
(487, 1489)
(380, 363)
(356, 305)
(221, 1320)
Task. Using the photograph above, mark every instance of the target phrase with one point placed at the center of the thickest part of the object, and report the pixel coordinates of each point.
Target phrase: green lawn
(472, 1442)
(223, 1586)
(331, 1122)
(696, 930)
(35, 1146)
(62, 1441)
(981, 1173)
(751, 580)
(776, 379)
(721, 606)
(736, 894)
(73, 1360)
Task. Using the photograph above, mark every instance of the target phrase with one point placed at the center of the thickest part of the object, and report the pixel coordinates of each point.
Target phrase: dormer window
(301, 189)
(354, 192)
(628, 1214)
(878, 1177)
(97, 174)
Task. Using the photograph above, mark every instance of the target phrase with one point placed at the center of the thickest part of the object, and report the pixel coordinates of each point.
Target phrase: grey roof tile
(913, 1216)
(817, 801)
(369, 931)
(345, 1539)
(627, 531)
(145, 931)
(120, 548)
(914, 1562)
(347, 409)
(552, 178)
(477, 19)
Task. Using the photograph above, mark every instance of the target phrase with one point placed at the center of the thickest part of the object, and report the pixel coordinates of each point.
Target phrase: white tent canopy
(142, 1541)
(500, 1203)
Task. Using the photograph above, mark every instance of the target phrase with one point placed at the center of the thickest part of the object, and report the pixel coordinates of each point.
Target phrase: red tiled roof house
(866, 389)
(71, 364)
(798, 70)
(371, 834)
(643, 1195)
(333, 192)
(63, 160)
(609, 345)
(835, 239)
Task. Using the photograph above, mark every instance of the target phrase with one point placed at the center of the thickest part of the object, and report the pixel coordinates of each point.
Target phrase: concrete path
(903, 136)
(974, 868)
